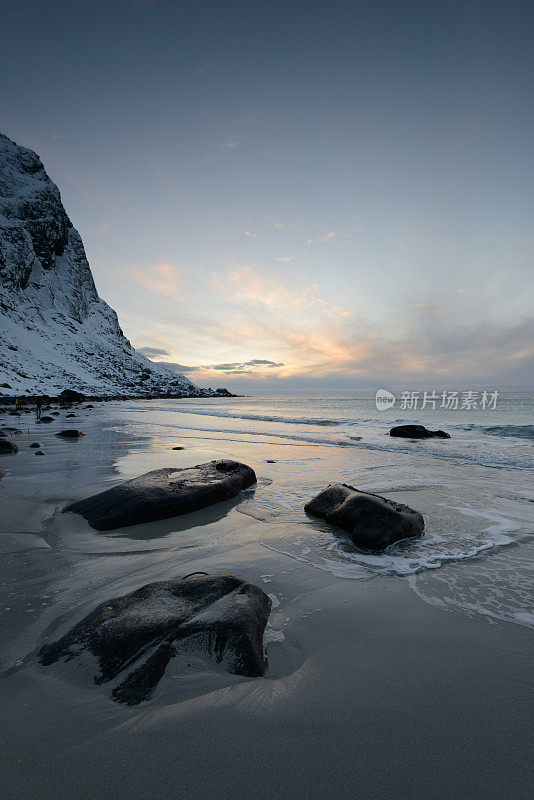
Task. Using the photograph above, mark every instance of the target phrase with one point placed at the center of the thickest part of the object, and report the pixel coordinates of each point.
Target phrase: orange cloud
(158, 277)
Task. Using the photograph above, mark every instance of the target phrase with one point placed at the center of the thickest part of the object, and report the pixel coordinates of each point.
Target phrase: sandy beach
(378, 684)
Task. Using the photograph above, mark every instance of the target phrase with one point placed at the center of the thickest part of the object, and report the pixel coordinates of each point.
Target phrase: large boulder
(70, 396)
(8, 447)
(417, 432)
(71, 433)
(225, 615)
(164, 493)
(374, 522)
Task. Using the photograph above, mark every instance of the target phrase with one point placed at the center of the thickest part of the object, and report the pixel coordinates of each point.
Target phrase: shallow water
(348, 630)
(475, 491)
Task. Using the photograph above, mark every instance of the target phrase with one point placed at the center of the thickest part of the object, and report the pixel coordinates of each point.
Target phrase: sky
(293, 196)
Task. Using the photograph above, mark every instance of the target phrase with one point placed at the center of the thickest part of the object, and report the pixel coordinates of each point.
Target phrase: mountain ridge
(57, 332)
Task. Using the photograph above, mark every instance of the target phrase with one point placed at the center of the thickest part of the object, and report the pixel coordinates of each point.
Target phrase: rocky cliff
(56, 332)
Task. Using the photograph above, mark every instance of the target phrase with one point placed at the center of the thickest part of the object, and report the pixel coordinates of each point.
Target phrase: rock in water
(374, 522)
(72, 433)
(2, 473)
(35, 445)
(164, 493)
(46, 419)
(8, 447)
(417, 432)
(226, 615)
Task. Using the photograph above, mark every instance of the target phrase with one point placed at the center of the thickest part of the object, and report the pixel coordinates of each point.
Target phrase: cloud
(230, 368)
(251, 235)
(236, 365)
(206, 67)
(158, 277)
(327, 237)
(285, 259)
(178, 367)
(153, 352)
(260, 362)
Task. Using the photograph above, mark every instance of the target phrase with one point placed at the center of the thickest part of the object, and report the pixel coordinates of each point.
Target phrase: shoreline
(372, 691)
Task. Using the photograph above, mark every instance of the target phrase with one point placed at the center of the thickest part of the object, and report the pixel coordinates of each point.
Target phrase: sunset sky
(293, 196)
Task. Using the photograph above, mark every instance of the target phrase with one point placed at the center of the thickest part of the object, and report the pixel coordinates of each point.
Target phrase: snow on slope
(56, 333)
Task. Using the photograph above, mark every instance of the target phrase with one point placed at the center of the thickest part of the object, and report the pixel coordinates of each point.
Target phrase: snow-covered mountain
(56, 332)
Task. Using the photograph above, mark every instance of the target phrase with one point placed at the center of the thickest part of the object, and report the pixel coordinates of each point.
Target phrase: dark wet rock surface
(417, 432)
(47, 419)
(164, 493)
(8, 447)
(374, 522)
(71, 433)
(35, 445)
(221, 614)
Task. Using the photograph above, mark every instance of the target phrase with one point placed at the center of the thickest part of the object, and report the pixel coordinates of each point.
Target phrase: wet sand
(370, 693)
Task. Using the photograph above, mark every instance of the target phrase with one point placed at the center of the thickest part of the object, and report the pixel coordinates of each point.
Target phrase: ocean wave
(426, 447)
(518, 431)
(210, 412)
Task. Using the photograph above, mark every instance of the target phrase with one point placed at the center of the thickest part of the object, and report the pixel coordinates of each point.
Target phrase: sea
(475, 490)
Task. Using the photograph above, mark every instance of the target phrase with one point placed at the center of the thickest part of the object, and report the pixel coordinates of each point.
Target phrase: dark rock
(70, 396)
(40, 453)
(68, 416)
(72, 433)
(88, 406)
(417, 432)
(35, 445)
(47, 419)
(8, 447)
(373, 522)
(178, 448)
(2, 473)
(5, 386)
(164, 493)
(225, 615)
(54, 413)
(11, 430)
(270, 461)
